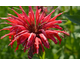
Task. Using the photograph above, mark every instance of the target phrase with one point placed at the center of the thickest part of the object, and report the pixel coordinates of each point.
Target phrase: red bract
(33, 35)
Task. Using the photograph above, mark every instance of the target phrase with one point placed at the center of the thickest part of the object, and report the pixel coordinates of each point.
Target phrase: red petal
(16, 48)
(21, 17)
(6, 28)
(23, 37)
(44, 40)
(32, 14)
(52, 23)
(57, 36)
(42, 30)
(10, 36)
(42, 46)
(55, 31)
(24, 34)
(47, 26)
(52, 19)
(41, 17)
(17, 14)
(25, 46)
(14, 40)
(12, 33)
(25, 15)
(31, 39)
(37, 15)
(50, 36)
(18, 28)
(50, 32)
(15, 21)
(21, 32)
(37, 42)
(62, 32)
(3, 23)
(47, 17)
(21, 20)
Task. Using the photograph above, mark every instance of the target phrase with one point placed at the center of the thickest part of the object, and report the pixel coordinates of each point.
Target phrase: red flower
(33, 35)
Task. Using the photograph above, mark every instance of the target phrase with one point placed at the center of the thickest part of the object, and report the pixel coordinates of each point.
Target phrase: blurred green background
(70, 45)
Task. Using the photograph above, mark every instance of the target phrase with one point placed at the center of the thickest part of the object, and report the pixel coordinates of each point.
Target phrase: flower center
(34, 29)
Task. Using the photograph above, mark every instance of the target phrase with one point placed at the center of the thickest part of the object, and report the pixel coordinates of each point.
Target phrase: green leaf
(73, 18)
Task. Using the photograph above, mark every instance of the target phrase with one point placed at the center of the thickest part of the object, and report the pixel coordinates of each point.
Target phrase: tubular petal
(12, 33)
(10, 36)
(57, 36)
(19, 37)
(17, 14)
(21, 32)
(14, 40)
(47, 26)
(37, 15)
(42, 46)
(16, 48)
(32, 14)
(6, 28)
(25, 45)
(47, 17)
(25, 15)
(23, 21)
(15, 21)
(62, 32)
(43, 31)
(44, 40)
(37, 42)
(41, 17)
(23, 38)
(52, 23)
(50, 36)
(52, 19)
(31, 39)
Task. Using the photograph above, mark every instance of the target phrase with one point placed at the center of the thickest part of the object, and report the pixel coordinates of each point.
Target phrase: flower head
(33, 35)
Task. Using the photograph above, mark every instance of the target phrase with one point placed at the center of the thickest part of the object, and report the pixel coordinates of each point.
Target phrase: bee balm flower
(33, 35)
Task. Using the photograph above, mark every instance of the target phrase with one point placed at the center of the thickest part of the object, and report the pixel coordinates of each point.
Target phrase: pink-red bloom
(33, 35)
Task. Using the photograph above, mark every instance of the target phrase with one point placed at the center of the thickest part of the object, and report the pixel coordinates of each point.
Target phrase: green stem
(42, 55)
